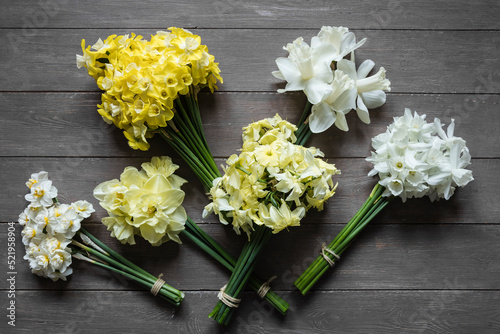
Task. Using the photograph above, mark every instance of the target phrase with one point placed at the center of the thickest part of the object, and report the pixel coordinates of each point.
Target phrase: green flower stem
(201, 144)
(242, 271)
(162, 293)
(211, 247)
(369, 210)
(190, 159)
(126, 268)
(148, 278)
(113, 253)
(303, 132)
(194, 148)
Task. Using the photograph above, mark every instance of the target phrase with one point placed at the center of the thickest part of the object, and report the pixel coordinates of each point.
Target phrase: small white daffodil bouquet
(148, 203)
(152, 87)
(413, 159)
(267, 188)
(331, 82)
(49, 235)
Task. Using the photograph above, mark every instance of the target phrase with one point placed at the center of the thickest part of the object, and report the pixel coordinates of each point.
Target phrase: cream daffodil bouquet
(146, 203)
(413, 159)
(151, 87)
(49, 234)
(265, 189)
(330, 81)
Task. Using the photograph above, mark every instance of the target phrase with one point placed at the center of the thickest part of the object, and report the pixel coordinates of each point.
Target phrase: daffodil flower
(41, 194)
(343, 41)
(333, 108)
(370, 89)
(306, 69)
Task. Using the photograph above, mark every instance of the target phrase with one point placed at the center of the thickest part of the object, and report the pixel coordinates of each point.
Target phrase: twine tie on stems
(327, 259)
(227, 299)
(157, 286)
(265, 287)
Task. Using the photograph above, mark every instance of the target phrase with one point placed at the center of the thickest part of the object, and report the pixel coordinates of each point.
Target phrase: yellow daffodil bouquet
(151, 87)
(49, 234)
(265, 189)
(148, 203)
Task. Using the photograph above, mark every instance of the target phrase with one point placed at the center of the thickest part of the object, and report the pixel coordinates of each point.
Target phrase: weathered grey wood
(328, 312)
(76, 178)
(420, 267)
(416, 61)
(70, 126)
(402, 14)
(417, 256)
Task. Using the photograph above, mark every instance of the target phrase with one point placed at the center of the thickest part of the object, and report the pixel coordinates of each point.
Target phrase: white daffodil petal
(362, 111)
(341, 122)
(346, 100)
(365, 68)
(278, 75)
(288, 69)
(348, 67)
(322, 117)
(315, 90)
(373, 99)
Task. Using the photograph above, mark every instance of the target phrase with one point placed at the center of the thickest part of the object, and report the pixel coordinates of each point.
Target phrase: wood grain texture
(395, 256)
(292, 14)
(449, 311)
(416, 61)
(76, 178)
(70, 125)
(420, 267)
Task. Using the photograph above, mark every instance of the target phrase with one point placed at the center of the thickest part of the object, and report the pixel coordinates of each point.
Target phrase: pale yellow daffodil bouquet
(267, 188)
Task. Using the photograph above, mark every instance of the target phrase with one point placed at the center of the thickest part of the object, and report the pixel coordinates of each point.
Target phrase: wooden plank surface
(442, 311)
(416, 61)
(80, 131)
(420, 267)
(291, 14)
(389, 256)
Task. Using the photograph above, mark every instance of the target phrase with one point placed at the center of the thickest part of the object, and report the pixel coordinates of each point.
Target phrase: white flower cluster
(273, 182)
(331, 83)
(49, 228)
(414, 158)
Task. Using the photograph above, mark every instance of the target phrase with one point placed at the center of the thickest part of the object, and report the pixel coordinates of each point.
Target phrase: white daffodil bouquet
(267, 188)
(413, 159)
(331, 82)
(49, 235)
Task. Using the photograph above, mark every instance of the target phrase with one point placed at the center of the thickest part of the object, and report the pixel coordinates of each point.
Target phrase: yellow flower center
(399, 164)
(46, 220)
(151, 210)
(39, 192)
(171, 82)
(31, 182)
